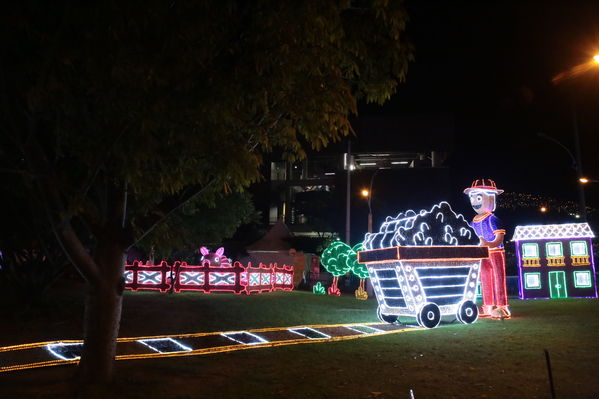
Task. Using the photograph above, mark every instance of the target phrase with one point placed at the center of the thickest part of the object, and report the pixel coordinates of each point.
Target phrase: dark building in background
(402, 158)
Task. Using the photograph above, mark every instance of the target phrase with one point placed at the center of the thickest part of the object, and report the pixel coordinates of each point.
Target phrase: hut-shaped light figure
(555, 261)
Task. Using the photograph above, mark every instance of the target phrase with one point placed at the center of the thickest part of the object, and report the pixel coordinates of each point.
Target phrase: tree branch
(76, 252)
(61, 225)
(170, 205)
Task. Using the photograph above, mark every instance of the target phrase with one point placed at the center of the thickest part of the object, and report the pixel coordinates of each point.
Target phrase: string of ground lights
(58, 353)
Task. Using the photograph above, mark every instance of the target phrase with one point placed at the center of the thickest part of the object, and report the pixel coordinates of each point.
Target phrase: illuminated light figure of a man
(483, 194)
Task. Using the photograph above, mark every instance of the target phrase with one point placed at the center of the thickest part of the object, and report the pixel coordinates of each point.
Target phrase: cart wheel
(387, 318)
(429, 316)
(467, 312)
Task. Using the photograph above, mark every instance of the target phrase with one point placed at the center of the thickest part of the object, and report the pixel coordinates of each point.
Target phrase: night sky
(488, 67)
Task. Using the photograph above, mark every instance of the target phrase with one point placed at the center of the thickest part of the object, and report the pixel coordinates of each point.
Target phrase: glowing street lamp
(365, 193)
(543, 209)
(583, 180)
(577, 70)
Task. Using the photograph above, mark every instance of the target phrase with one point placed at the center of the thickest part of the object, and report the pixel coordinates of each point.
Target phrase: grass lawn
(489, 359)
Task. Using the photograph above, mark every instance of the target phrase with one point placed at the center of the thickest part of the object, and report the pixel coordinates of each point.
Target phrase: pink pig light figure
(216, 258)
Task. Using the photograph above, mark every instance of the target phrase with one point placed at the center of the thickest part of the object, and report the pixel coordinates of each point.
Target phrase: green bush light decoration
(358, 269)
(334, 260)
(318, 289)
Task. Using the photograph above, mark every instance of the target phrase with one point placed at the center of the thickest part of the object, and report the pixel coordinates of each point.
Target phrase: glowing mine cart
(425, 282)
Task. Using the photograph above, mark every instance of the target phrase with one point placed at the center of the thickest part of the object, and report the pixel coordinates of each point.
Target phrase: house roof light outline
(553, 232)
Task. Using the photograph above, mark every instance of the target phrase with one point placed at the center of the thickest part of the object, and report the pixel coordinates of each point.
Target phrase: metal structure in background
(330, 172)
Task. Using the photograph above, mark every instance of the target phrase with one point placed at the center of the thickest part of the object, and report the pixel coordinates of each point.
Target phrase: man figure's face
(482, 202)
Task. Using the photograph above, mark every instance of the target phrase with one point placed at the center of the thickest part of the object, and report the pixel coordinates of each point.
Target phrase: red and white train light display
(207, 278)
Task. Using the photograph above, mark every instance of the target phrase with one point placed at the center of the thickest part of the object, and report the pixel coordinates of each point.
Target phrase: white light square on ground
(240, 337)
(364, 329)
(159, 344)
(65, 351)
(309, 333)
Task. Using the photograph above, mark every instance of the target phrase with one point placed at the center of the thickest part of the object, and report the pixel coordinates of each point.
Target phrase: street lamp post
(370, 200)
(576, 161)
(543, 210)
(368, 194)
(576, 165)
(348, 165)
(369, 216)
(581, 197)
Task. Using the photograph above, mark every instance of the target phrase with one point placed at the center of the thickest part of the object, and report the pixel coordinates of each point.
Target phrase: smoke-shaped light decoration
(438, 226)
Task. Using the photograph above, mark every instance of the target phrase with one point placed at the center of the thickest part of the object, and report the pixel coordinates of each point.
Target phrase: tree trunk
(333, 289)
(102, 315)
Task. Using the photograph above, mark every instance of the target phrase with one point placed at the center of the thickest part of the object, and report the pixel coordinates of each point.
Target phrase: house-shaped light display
(555, 261)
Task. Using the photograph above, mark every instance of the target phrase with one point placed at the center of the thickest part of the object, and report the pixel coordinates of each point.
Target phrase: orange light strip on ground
(231, 348)
(267, 329)
(189, 335)
(197, 352)
(37, 345)
(37, 365)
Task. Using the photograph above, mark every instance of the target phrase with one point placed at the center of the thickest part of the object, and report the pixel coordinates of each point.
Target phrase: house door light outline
(557, 284)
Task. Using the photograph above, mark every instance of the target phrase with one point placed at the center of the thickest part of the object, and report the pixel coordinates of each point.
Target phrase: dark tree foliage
(30, 257)
(115, 114)
(196, 224)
